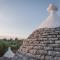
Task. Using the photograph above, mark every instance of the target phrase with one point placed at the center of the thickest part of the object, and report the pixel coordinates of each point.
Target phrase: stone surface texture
(43, 43)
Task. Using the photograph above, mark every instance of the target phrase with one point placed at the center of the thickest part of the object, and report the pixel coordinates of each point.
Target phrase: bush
(14, 44)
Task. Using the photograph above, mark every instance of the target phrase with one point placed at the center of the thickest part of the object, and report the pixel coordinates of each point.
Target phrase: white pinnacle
(52, 8)
(53, 20)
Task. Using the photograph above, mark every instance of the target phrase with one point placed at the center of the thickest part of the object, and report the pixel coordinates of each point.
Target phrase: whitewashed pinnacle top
(53, 20)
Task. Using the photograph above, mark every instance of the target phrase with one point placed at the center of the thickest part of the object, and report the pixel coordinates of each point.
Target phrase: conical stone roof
(9, 53)
(44, 42)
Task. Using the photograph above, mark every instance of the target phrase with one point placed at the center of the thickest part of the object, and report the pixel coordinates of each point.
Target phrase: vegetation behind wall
(14, 44)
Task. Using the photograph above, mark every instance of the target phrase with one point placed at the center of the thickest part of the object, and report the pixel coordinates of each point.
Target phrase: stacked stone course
(43, 43)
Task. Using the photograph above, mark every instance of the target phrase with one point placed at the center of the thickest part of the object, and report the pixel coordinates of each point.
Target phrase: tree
(16, 39)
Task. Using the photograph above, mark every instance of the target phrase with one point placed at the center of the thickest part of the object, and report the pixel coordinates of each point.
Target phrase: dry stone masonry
(44, 43)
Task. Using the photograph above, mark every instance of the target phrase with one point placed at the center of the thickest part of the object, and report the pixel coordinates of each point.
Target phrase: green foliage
(14, 44)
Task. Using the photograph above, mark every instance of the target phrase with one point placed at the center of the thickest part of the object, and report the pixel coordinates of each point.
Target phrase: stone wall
(44, 43)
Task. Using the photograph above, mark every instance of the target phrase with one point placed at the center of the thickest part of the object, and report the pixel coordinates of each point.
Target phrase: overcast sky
(21, 17)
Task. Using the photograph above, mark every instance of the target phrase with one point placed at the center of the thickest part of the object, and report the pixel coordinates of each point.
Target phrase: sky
(19, 18)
